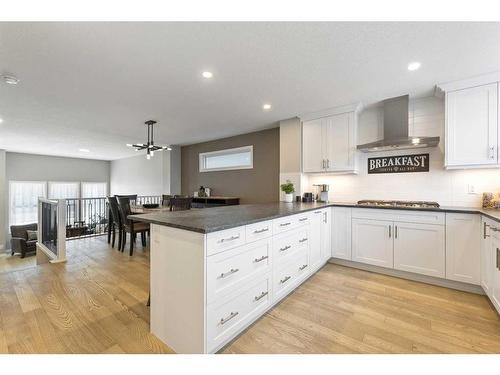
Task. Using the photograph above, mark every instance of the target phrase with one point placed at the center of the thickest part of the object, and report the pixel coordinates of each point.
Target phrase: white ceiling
(92, 85)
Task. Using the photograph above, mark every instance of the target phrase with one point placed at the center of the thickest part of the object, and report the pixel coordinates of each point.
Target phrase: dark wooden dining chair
(130, 226)
(115, 221)
(165, 199)
(180, 203)
(131, 197)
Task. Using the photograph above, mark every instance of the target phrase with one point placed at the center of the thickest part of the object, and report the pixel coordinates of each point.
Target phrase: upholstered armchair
(19, 241)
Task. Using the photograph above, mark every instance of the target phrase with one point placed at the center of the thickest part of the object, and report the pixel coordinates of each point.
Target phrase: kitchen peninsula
(215, 271)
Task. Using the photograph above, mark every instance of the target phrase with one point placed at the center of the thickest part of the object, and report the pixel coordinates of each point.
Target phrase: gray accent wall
(257, 185)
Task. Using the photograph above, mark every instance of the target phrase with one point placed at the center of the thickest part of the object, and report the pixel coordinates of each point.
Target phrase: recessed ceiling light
(266, 107)
(1, 120)
(207, 75)
(10, 79)
(413, 66)
(83, 150)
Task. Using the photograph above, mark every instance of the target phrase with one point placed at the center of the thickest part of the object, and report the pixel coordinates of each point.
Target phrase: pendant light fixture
(150, 145)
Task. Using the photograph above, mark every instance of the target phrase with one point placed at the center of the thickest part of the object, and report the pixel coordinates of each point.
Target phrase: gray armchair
(19, 241)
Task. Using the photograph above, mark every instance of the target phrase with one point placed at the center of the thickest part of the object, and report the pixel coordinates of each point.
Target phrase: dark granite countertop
(219, 218)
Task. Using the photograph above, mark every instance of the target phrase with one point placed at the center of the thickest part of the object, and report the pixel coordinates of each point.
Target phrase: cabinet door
(419, 248)
(372, 242)
(326, 236)
(463, 248)
(486, 257)
(340, 146)
(315, 240)
(313, 138)
(495, 264)
(472, 126)
(341, 233)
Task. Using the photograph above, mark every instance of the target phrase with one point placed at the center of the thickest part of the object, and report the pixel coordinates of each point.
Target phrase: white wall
(156, 176)
(30, 167)
(449, 188)
(3, 193)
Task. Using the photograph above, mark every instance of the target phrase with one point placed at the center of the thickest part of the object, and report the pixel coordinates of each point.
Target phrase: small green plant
(287, 188)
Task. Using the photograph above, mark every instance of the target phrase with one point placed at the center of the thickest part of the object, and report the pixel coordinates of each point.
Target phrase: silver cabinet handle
(230, 272)
(303, 240)
(259, 297)
(303, 219)
(302, 267)
(284, 224)
(484, 230)
(317, 212)
(492, 152)
(263, 257)
(390, 231)
(285, 248)
(261, 230)
(498, 258)
(325, 218)
(282, 281)
(327, 163)
(323, 164)
(232, 238)
(395, 231)
(231, 316)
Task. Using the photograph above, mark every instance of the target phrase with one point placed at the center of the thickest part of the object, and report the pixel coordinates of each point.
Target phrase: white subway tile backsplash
(447, 187)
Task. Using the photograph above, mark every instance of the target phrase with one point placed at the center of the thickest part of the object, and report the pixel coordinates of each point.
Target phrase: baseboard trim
(411, 276)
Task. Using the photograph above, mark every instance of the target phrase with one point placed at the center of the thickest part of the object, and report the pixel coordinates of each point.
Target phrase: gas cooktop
(410, 204)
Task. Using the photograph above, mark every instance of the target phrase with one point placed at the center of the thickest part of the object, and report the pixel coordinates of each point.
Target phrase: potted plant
(288, 189)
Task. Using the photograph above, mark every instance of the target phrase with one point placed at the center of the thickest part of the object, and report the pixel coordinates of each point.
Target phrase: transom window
(229, 159)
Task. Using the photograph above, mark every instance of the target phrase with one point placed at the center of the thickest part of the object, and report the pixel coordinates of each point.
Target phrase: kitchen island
(215, 271)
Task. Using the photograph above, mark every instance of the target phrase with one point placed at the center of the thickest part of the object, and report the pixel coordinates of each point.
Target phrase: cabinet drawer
(286, 223)
(287, 276)
(231, 269)
(258, 231)
(230, 315)
(287, 244)
(407, 216)
(225, 239)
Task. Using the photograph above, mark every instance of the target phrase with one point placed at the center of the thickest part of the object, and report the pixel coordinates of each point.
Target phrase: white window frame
(203, 156)
(9, 208)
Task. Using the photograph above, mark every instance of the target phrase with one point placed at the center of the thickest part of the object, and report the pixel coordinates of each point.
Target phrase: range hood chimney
(396, 129)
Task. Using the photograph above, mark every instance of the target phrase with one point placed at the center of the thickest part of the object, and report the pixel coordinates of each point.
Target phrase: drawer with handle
(287, 244)
(231, 269)
(287, 223)
(285, 278)
(258, 231)
(225, 239)
(230, 315)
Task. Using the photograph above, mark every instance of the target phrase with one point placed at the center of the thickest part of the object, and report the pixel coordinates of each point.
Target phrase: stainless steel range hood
(396, 129)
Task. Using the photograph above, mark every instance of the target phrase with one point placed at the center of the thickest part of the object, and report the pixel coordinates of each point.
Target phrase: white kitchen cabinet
(463, 247)
(419, 248)
(329, 140)
(471, 136)
(495, 264)
(320, 238)
(313, 146)
(486, 256)
(341, 233)
(372, 242)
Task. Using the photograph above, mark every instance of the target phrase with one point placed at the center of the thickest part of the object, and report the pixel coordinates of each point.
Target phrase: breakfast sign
(399, 164)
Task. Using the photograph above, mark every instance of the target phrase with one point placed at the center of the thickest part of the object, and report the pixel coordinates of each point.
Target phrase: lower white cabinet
(419, 248)
(486, 256)
(372, 242)
(463, 247)
(341, 233)
(495, 267)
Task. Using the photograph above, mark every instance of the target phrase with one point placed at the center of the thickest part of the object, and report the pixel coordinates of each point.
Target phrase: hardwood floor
(96, 303)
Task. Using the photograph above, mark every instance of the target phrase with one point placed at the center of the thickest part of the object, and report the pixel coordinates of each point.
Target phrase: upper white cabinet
(329, 140)
(471, 134)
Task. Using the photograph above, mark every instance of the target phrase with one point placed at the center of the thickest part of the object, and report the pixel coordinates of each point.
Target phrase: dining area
(123, 231)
